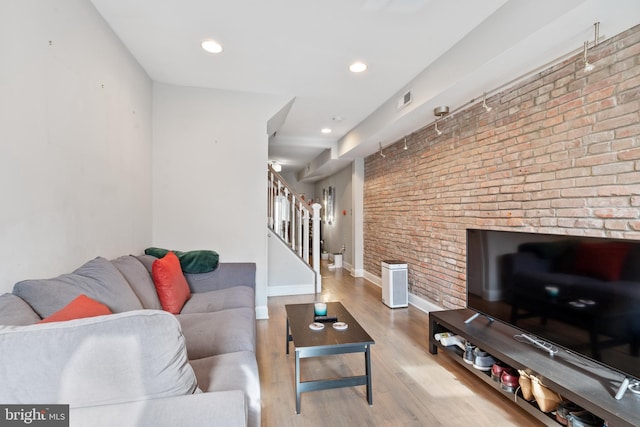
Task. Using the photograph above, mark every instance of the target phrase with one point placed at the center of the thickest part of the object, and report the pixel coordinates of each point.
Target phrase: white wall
(357, 197)
(75, 141)
(305, 189)
(210, 174)
(288, 275)
(340, 231)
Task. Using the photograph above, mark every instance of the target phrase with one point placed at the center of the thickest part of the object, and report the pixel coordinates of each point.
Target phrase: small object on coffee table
(315, 326)
(320, 308)
(325, 319)
(340, 326)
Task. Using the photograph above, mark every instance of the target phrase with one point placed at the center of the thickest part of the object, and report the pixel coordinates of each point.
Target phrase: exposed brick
(559, 153)
(589, 223)
(608, 202)
(566, 222)
(599, 159)
(595, 181)
(616, 122)
(618, 190)
(630, 52)
(558, 184)
(541, 177)
(629, 109)
(573, 172)
(613, 168)
(568, 203)
(620, 225)
(628, 131)
(575, 105)
(537, 213)
(537, 204)
(631, 83)
(548, 222)
(616, 213)
(600, 94)
(574, 212)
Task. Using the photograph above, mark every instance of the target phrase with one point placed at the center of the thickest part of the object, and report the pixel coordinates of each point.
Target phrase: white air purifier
(395, 289)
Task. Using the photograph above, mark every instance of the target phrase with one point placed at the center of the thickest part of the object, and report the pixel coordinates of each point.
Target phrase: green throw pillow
(195, 262)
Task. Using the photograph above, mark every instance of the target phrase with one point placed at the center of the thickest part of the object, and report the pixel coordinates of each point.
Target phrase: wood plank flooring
(410, 386)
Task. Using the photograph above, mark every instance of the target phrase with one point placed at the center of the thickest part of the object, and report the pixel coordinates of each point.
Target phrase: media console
(574, 377)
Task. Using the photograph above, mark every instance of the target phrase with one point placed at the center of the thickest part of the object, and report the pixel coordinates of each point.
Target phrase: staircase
(296, 225)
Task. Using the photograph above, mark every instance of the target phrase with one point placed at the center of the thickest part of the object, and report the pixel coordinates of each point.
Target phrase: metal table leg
(367, 363)
(288, 336)
(297, 382)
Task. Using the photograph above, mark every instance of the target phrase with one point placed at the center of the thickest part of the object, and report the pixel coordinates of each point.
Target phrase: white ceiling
(446, 52)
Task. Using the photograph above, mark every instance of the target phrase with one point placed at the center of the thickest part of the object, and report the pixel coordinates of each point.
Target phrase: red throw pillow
(171, 286)
(601, 260)
(81, 307)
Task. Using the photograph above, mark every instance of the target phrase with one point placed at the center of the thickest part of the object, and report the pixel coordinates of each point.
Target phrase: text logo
(34, 415)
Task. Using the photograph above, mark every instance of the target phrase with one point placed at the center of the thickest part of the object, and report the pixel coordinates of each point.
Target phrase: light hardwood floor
(411, 387)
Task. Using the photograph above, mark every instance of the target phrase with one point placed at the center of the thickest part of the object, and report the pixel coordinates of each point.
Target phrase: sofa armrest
(227, 275)
(222, 408)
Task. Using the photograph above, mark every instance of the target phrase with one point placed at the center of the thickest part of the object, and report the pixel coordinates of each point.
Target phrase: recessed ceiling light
(211, 46)
(325, 130)
(357, 67)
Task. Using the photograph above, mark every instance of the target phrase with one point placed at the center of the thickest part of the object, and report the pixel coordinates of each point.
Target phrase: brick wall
(558, 153)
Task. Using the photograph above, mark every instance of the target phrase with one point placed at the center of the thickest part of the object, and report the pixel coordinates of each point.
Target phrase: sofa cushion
(232, 371)
(173, 290)
(79, 308)
(227, 275)
(98, 279)
(94, 361)
(208, 334)
(147, 261)
(139, 279)
(14, 311)
(207, 302)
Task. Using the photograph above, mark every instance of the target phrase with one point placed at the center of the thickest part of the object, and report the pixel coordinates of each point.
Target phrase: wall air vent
(405, 99)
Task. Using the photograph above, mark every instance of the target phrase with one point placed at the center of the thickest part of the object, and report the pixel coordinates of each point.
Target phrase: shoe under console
(557, 389)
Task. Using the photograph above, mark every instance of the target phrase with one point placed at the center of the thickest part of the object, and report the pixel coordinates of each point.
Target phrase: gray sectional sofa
(139, 366)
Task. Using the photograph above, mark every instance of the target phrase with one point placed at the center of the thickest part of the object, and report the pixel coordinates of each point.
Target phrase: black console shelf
(576, 378)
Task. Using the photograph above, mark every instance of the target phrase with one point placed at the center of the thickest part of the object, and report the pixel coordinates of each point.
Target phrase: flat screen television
(579, 293)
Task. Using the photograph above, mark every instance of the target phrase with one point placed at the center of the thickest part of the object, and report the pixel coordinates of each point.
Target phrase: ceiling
(444, 52)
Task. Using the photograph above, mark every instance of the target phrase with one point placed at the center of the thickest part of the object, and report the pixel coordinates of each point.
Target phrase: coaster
(316, 326)
(340, 326)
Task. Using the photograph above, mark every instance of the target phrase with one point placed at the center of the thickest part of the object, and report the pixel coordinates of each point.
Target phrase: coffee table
(328, 341)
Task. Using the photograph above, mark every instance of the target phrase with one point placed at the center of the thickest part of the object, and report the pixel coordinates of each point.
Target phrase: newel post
(316, 245)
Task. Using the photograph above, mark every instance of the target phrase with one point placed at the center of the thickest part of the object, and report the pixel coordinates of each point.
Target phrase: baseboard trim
(373, 279)
(280, 291)
(357, 272)
(422, 304)
(416, 301)
(262, 312)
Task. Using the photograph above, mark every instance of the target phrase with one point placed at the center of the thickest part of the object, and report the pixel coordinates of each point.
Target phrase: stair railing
(295, 220)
